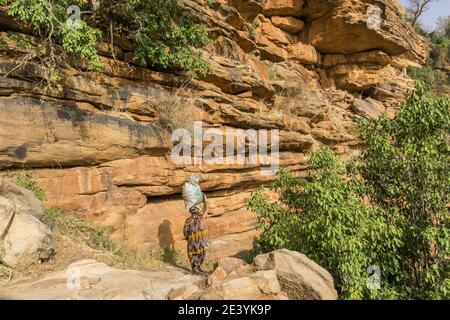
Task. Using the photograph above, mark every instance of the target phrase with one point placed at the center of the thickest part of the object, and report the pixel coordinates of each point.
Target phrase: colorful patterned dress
(195, 236)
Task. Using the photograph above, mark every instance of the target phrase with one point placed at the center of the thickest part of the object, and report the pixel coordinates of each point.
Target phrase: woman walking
(195, 235)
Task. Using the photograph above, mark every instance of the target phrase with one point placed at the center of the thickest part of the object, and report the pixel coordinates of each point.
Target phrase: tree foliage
(388, 208)
(163, 36)
(49, 19)
(406, 169)
(325, 218)
(434, 73)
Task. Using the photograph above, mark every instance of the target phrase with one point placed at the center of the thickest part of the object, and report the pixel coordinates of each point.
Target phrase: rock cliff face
(308, 68)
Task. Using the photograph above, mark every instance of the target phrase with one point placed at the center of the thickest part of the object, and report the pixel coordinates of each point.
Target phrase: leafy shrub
(325, 218)
(431, 77)
(433, 72)
(162, 35)
(26, 180)
(49, 17)
(388, 208)
(406, 168)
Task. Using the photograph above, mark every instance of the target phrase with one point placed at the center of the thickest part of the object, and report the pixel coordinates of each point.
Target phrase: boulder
(377, 104)
(7, 213)
(218, 275)
(289, 24)
(261, 285)
(92, 280)
(23, 236)
(230, 264)
(248, 9)
(342, 27)
(23, 199)
(300, 278)
(273, 33)
(304, 53)
(188, 292)
(242, 271)
(369, 108)
(270, 51)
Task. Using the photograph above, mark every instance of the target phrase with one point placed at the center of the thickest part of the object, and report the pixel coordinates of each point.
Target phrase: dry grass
(294, 102)
(272, 70)
(175, 111)
(76, 239)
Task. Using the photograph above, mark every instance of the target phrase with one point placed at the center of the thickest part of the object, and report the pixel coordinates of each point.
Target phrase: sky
(438, 8)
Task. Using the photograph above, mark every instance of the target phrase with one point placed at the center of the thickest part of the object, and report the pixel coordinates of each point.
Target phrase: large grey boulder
(261, 285)
(24, 200)
(22, 234)
(369, 108)
(300, 277)
(230, 264)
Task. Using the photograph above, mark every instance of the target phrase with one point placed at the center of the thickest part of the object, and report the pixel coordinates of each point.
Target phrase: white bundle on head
(192, 194)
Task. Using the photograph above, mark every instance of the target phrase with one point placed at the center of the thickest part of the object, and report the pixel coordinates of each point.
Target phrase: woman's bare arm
(205, 207)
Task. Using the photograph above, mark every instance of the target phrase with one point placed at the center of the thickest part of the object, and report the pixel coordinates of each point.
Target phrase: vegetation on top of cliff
(162, 35)
(435, 74)
(388, 208)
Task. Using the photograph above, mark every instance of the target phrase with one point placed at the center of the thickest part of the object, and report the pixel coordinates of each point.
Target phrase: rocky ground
(278, 275)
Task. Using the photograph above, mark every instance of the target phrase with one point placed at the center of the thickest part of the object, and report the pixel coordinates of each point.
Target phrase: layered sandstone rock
(283, 7)
(289, 24)
(342, 28)
(99, 147)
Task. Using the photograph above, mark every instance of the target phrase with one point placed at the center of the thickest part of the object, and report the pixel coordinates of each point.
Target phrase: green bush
(26, 180)
(162, 35)
(325, 218)
(386, 209)
(433, 73)
(405, 167)
(431, 77)
(49, 17)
